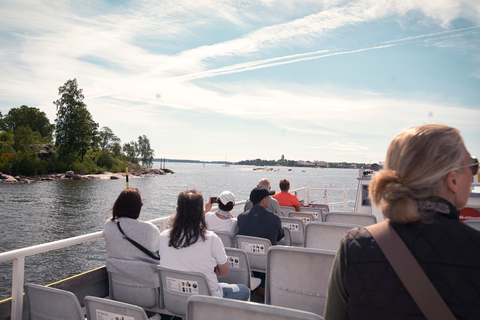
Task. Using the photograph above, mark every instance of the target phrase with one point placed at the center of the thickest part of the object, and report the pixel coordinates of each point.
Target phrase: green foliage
(105, 159)
(116, 150)
(145, 152)
(32, 118)
(131, 151)
(75, 130)
(27, 163)
(79, 146)
(107, 138)
(7, 140)
(27, 140)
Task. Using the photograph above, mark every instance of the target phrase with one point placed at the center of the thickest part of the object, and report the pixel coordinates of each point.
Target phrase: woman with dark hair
(189, 246)
(124, 257)
(222, 220)
(425, 182)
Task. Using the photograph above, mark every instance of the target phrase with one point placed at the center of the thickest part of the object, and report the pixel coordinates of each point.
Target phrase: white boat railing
(305, 194)
(18, 258)
(18, 255)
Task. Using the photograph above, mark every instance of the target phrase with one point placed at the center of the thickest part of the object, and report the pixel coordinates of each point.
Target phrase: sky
(213, 80)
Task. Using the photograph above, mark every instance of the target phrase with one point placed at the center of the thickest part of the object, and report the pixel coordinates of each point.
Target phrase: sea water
(42, 212)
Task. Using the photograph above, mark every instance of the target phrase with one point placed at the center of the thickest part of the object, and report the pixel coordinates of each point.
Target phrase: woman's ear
(451, 181)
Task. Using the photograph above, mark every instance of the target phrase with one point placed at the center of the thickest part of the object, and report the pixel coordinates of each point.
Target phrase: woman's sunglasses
(473, 164)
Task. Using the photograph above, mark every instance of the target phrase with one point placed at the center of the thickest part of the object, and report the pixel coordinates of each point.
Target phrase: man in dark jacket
(258, 222)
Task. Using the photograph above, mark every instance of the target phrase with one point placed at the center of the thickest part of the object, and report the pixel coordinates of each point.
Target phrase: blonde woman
(425, 182)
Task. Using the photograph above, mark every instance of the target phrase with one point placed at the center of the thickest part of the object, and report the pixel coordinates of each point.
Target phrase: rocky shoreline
(70, 175)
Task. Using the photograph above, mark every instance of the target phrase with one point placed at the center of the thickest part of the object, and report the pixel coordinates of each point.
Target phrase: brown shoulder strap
(409, 271)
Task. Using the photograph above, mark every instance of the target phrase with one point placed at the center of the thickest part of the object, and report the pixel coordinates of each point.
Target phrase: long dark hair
(128, 204)
(188, 224)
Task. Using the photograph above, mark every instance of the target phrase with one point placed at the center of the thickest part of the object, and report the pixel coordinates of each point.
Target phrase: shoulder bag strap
(138, 245)
(409, 271)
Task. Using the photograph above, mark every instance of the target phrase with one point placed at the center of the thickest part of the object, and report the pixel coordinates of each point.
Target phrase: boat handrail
(18, 257)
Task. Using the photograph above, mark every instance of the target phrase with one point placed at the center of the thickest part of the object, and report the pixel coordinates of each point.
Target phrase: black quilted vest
(446, 249)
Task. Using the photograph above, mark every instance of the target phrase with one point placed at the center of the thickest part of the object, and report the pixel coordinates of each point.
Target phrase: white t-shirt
(214, 223)
(202, 256)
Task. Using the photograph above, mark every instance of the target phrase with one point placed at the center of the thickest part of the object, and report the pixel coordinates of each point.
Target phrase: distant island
(285, 163)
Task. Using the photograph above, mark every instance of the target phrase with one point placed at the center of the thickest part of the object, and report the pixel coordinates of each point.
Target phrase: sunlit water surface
(42, 212)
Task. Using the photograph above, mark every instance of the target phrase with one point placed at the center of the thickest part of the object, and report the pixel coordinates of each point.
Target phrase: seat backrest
(100, 308)
(126, 290)
(256, 249)
(322, 209)
(51, 303)
(285, 210)
(178, 286)
(326, 235)
(287, 238)
(214, 308)
(306, 217)
(226, 239)
(351, 218)
(298, 278)
(475, 224)
(239, 267)
(297, 229)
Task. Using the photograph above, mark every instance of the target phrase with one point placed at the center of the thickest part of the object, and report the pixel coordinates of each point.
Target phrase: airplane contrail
(268, 63)
(430, 35)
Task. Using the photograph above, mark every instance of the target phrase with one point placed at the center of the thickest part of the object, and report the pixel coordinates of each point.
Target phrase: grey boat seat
(177, 286)
(362, 219)
(326, 235)
(298, 278)
(297, 229)
(306, 217)
(321, 209)
(111, 309)
(51, 303)
(287, 238)
(286, 209)
(124, 289)
(227, 240)
(239, 269)
(214, 308)
(256, 249)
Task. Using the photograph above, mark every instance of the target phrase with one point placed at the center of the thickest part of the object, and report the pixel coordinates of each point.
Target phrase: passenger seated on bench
(222, 220)
(286, 199)
(123, 257)
(189, 246)
(273, 206)
(258, 222)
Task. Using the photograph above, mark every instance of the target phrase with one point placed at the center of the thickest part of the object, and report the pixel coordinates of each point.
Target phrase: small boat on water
(95, 282)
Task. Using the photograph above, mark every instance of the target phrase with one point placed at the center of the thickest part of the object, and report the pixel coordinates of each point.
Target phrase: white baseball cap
(226, 197)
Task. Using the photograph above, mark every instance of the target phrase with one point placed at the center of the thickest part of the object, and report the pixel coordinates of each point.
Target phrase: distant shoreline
(69, 175)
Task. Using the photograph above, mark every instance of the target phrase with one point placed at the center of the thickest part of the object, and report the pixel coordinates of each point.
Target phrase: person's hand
(208, 205)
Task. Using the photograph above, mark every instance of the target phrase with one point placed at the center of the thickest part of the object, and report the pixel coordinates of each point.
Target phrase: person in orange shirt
(286, 199)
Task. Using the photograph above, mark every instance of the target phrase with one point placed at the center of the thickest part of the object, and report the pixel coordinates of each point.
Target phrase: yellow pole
(126, 175)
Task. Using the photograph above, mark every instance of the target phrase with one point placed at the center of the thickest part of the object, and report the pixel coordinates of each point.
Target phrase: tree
(27, 140)
(146, 153)
(75, 130)
(116, 149)
(131, 150)
(107, 138)
(25, 116)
